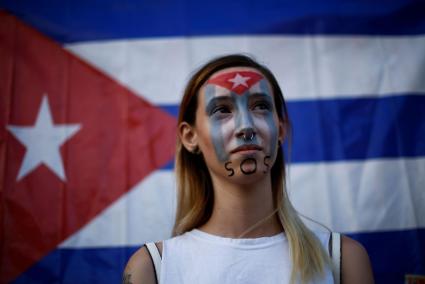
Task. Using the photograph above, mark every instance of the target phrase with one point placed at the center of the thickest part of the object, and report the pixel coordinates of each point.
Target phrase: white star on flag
(239, 80)
(43, 142)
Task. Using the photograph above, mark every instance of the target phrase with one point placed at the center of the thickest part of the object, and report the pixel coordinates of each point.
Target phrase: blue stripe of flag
(76, 21)
(354, 129)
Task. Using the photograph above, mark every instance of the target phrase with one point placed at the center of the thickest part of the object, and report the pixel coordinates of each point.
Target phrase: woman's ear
(188, 137)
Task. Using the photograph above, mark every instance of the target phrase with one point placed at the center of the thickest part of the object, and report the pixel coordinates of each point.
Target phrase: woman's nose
(246, 134)
(245, 126)
(244, 119)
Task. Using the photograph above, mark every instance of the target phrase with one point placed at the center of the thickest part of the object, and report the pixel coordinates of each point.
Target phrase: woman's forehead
(238, 80)
(235, 70)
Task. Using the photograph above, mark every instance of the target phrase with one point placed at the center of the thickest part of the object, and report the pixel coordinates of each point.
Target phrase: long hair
(195, 197)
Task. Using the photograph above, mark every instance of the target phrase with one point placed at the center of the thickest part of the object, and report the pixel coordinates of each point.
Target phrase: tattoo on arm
(126, 279)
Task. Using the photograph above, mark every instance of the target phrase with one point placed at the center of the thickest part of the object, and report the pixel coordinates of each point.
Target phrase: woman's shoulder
(140, 267)
(356, 266)
(355, 263)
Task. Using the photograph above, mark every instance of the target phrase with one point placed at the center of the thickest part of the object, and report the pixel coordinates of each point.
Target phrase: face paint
(215, 124)
(248, 166)
(236, 82)
(229, 169)
(240, 102)
(266, 163)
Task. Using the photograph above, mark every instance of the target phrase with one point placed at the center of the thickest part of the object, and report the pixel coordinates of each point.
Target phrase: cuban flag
(89, 93)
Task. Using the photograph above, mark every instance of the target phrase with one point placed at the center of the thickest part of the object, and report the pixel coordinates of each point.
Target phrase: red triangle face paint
(237, 82)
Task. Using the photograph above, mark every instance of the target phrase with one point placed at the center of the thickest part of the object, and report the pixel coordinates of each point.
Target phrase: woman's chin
(246, 168)
(249, 174)
(248, 180)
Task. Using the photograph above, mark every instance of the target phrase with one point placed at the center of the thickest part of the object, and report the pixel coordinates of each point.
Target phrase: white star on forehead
(239, 80)
(43, 142)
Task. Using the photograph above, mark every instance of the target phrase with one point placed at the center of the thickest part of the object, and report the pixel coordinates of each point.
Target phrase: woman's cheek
(267, 126)
(221, 133)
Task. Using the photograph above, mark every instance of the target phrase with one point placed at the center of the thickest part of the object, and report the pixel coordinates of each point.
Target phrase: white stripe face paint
(242, 122)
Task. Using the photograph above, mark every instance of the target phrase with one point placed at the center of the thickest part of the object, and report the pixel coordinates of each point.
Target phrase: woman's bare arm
(139, 269)
(356, 267)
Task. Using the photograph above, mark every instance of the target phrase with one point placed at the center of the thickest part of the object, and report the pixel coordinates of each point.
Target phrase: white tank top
(198, 257)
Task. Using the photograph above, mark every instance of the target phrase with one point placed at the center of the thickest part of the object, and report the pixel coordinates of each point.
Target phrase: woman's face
(236, 125)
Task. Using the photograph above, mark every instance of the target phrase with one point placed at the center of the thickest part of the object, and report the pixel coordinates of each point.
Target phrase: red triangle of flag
(120, 140)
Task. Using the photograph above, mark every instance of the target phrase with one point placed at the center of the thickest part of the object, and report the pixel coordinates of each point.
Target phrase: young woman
(234, 222)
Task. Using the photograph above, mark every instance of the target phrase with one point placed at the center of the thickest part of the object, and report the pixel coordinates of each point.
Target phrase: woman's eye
(221, 109)
(261, 106)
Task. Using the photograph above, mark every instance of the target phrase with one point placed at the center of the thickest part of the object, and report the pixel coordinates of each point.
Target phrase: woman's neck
(243, 210)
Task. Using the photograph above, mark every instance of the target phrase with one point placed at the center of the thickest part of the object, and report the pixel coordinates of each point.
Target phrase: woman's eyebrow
(258, 95)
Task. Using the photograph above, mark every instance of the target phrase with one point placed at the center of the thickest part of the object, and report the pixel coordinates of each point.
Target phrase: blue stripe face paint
(242, 121)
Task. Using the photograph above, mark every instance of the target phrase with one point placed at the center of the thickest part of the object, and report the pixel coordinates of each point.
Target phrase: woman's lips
(246, 149)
